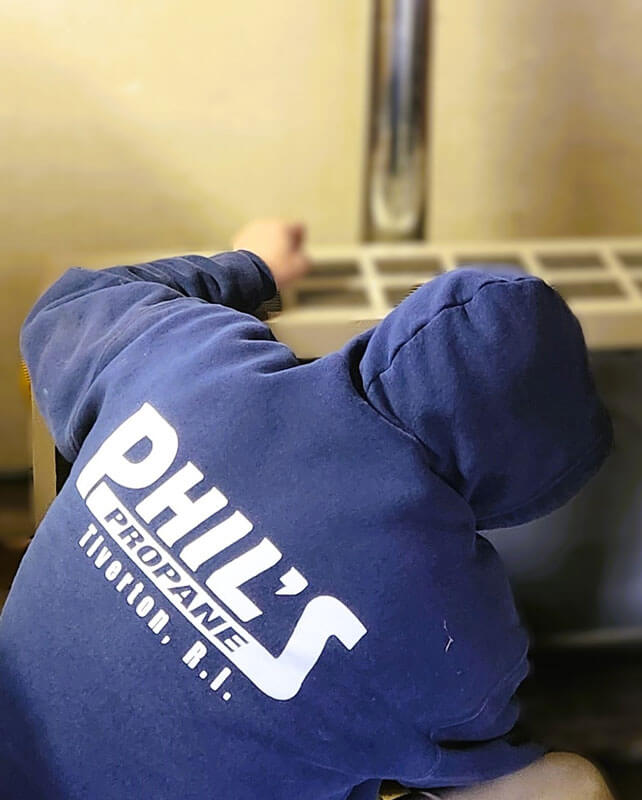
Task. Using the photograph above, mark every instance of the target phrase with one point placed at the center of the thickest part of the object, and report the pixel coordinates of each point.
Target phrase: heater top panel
(352, 287)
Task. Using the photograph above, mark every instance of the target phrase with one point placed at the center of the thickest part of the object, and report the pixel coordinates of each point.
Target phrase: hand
(280, 244)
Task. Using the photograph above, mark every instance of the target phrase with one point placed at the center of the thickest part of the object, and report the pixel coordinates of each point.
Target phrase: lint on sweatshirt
(264, 578)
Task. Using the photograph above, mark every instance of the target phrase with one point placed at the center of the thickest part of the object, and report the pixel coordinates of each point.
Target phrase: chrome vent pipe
(396, 178)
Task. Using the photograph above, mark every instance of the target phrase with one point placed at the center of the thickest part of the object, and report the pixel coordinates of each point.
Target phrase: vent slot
(631, 259)
(334, 269)
(410, 266)
(488, 262)
(571, 261)
(587, 290)
(397, 294)
(331, 296)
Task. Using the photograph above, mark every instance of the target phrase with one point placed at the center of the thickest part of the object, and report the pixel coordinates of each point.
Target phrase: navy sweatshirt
(265, 578)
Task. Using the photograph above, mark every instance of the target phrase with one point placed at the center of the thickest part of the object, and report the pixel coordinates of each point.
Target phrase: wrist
(269, 283)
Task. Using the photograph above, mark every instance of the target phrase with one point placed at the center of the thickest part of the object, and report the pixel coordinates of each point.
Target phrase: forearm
(237, 279)
(87, 317)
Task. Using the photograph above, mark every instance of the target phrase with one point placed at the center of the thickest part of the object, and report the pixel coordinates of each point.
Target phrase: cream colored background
(537, 119)
(166, 123)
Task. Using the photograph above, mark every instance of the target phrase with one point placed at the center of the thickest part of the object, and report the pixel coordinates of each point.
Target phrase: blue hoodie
(264, 578)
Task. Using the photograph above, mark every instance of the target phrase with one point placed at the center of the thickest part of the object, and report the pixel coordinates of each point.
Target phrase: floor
(586, 701)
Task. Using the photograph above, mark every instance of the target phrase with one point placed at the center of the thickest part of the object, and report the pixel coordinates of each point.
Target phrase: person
(264, 578)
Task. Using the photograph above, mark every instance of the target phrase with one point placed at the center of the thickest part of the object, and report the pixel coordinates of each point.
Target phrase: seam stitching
(581, 460)
(460, 304)
(520, 665)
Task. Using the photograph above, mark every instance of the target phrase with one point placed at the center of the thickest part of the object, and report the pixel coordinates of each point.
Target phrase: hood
(488, 370)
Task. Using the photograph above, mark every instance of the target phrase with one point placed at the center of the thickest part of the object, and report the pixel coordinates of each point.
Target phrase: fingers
(303, 264)
(301, 261)
(297, 234)
(280, 243)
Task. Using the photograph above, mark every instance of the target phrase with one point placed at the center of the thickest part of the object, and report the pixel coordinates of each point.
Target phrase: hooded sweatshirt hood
(488, 370)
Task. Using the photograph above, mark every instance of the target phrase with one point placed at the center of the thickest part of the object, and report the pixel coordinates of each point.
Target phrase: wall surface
(168, 124)
(537, 120)
(165, 124)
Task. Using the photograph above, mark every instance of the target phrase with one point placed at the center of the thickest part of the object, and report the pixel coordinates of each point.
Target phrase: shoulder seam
(460, 304)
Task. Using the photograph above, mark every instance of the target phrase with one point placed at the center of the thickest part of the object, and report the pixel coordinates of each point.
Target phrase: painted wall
(163, 123)
(167, 123)
(537, 120)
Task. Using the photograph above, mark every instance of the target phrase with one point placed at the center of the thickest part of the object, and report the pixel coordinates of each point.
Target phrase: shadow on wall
(581, 567)
(77, 176)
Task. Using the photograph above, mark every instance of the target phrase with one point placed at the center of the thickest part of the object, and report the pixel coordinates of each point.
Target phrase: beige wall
(166, 124)
(136, 124)
(537, 118)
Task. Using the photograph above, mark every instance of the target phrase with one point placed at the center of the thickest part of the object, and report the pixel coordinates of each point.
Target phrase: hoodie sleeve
(84, 319)
(485, 745)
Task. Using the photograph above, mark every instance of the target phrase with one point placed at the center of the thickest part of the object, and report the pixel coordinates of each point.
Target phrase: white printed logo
(205, 607)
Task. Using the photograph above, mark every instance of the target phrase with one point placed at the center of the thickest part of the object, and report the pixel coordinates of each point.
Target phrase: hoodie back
(264, 578)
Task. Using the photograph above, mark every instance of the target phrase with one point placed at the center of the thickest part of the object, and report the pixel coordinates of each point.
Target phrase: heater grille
(351, 288)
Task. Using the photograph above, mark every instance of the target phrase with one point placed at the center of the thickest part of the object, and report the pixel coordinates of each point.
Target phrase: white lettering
(113, 570)
(194, 655)
(103, 557)
(110, 459)
(92, 530)
(145, 606)
(281, 677)
(225, 582)
(131, 597)
(166, 571)
(94, 546)
(124, 581)
(130, 536)
(158, 621)
(216, 539)
(150, 555)
(187, 513)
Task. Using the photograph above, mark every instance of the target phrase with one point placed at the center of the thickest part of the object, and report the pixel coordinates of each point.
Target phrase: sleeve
(87, 317)
(488, 744)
